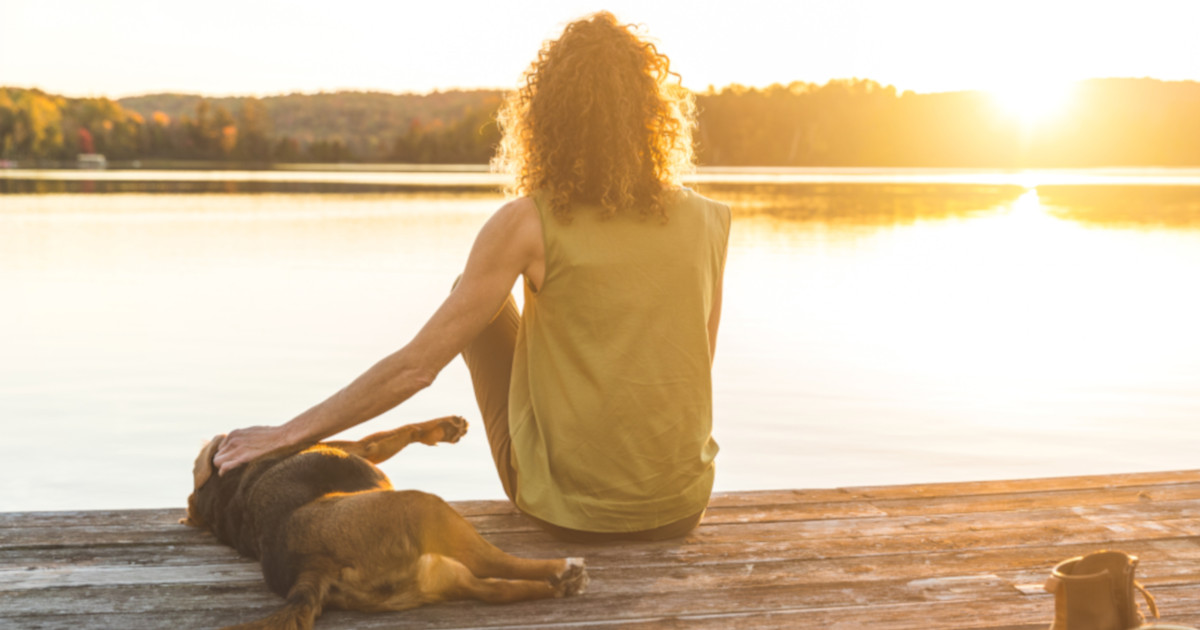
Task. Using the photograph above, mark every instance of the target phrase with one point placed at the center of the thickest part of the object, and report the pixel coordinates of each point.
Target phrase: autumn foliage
(1108, 122)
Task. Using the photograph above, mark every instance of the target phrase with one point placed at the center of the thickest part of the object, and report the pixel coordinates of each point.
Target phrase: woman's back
(600, 394)
(610, 406)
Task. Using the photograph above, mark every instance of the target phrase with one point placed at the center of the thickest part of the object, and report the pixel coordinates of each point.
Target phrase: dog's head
(202, 471)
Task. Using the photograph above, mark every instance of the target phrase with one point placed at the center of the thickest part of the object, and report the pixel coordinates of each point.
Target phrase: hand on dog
(244, 445)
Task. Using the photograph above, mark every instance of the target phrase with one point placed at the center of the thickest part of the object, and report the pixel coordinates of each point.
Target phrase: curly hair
(598, 121)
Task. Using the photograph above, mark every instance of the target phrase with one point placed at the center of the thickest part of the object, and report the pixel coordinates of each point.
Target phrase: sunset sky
(222, 47)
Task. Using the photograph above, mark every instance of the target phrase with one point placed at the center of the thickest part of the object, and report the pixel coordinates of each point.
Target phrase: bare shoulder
(518, 220)
(521, 209)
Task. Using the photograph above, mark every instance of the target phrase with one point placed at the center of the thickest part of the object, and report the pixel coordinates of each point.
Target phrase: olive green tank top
(610, 404)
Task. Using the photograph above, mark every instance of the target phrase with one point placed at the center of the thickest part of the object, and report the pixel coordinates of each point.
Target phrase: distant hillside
(854, 122)
(367, 123)
(357, 125)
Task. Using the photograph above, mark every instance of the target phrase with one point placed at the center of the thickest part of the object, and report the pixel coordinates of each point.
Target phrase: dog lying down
(329, 531)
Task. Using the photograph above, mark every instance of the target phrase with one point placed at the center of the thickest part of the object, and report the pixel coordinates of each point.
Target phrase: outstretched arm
(508, 245)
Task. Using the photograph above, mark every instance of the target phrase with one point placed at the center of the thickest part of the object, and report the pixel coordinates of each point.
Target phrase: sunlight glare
(1027, 207)
(1034, 102)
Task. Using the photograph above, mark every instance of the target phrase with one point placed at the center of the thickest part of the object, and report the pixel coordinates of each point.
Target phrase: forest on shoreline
(854, 122)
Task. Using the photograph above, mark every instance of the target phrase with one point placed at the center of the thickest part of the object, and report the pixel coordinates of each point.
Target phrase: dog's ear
(203, 469)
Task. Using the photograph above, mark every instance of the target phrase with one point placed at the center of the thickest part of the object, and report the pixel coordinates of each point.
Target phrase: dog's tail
(303, 606)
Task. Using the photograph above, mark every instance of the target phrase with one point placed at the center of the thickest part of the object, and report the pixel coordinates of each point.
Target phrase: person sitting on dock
(597, 397)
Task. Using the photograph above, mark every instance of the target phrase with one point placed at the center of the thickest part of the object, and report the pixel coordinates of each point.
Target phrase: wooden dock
(961, 555)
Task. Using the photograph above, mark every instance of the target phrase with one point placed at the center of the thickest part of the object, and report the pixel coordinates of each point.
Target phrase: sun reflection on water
(1010, 341)
(871, 334)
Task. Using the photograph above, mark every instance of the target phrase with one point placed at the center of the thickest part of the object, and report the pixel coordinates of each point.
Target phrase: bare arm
(508, 245)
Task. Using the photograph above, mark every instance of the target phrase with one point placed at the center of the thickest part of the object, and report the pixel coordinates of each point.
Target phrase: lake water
(892, 327)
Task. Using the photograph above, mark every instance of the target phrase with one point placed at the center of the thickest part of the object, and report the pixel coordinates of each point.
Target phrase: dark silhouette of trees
(254, 131)
(443, 127)
(852, 122)
(286, 150)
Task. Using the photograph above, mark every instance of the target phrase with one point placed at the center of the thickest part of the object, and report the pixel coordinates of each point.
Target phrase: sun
(1033, 102)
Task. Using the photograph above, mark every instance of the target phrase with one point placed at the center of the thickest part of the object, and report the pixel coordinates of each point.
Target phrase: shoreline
(466, 176)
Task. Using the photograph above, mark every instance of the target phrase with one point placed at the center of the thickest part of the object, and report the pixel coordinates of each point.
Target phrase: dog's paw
(449, 429)
(453, 428)
(573, 580)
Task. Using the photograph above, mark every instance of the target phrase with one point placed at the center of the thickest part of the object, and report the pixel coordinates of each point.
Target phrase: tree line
(449, 127)
(1109, 122)
(1105, 122)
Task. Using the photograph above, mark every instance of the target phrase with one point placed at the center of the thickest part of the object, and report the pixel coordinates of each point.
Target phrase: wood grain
(963, 555)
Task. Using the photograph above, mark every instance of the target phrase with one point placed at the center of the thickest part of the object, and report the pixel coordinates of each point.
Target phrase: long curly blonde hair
(598, 120)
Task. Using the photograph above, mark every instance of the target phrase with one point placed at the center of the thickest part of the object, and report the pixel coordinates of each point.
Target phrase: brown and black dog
(329, 531)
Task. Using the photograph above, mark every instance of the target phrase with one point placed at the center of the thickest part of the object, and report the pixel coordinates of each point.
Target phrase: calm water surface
(872, 333)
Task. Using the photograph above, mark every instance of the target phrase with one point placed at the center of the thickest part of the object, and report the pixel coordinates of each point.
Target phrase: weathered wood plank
(941, 577)
(68, 576)
(1178, 603)
(503, 518)
(466, 508)
(597, 604)
(1028, 567)
(968, 488)
(161, 525)
(1018, 501)
(164, 529)
(35, 529)
(1163, 516)
(1165, 562)
(718, 544)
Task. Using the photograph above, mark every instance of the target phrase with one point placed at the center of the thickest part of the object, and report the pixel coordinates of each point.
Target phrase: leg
(677, 529)
(441, 578)
(393, 550)
(303, 605)
(379, 447)
(489, 359)
(445, 532)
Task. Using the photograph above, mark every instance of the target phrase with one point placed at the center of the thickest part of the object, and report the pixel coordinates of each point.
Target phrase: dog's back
(249, 508)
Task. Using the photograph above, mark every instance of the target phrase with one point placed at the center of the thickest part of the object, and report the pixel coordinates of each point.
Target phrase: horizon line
(440, 90)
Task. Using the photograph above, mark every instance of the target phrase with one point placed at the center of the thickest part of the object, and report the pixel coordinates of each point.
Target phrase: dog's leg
(447, 533)
(442, 578)
(379, 447)
(303, 605)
